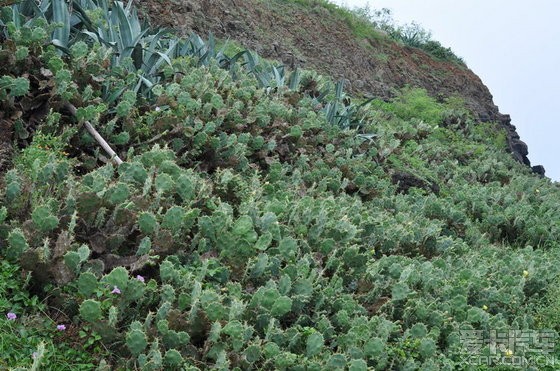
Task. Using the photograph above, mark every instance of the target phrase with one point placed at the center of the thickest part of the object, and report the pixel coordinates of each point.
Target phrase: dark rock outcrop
(405, 181)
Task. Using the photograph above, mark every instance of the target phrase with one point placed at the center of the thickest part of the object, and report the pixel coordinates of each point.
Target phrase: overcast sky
(514, 46)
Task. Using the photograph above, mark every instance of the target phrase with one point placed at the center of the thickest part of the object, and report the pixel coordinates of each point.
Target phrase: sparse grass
(20, 338)
(361, 28)
(363, 25)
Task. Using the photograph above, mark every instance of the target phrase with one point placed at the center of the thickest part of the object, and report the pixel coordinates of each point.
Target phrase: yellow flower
(525, 273)
(484, 307)
(536, 190)
(508, 353)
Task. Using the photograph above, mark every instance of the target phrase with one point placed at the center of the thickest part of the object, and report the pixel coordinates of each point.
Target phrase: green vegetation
(260, 220)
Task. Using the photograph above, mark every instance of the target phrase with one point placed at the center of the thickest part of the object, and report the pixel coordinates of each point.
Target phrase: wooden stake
(102, 142)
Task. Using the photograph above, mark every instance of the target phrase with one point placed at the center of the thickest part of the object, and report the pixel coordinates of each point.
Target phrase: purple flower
(11, 316)
(61, 327)
(158, 109)
(140, 278)
(116, 290)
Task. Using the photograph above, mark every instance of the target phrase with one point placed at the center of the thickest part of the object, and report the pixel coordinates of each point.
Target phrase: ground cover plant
(261, 218)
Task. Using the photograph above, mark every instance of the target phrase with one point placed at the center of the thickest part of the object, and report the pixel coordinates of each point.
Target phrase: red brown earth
(313, 37)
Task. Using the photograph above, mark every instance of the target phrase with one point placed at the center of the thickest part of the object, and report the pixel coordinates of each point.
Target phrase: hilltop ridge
(314, 35)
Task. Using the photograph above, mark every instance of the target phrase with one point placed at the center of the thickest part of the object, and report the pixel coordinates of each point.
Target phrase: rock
(405, 181)
(358, 84)
(538, 169)
(520, 147)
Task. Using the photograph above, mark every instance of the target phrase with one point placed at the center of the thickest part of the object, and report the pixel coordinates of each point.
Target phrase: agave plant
(343, 114)
(122, 32)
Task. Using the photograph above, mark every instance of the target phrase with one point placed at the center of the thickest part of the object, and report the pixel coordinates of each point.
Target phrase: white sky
(514, 46)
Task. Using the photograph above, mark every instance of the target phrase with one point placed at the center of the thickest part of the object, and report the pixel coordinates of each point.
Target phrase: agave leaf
(278, 75)
(236, 57)
(232, 62)
(135, 24)
(250, 61)
(60, 45)
(114, 96)
(211, 48)
(147, 82)
(126, 34)
(80, 13)
(93, 35)
(29, 8)
(129, 49)
(324, 93)
(61, 35)
(155, 63)
(369, 137)
(43, 7)
(263, 79)
(129, 6)
(148, 55)
(330, 110)
(164, 57)
(294, 80)
(16, 17)
(142, 80)
(339, 89)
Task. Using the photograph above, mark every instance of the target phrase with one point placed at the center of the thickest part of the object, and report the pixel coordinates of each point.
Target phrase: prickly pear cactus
(87, 284)
(147, 223)
(136, 341)
(17, 244)
(90, 310)
(173, 358)
(44, 219)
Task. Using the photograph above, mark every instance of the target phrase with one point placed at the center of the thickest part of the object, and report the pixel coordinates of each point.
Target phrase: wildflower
(34, 355)
(61, 327)
(116, 290)
(508, 353)
(525, 273)
(140, 278)
(158, 109)
(11, 316)
(484, 307)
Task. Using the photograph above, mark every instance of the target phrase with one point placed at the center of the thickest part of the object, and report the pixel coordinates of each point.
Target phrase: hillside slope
(252, 217)
(315, 35)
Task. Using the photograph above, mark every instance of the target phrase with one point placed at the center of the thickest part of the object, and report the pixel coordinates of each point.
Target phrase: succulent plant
(87, 283)
(44, 219)
(147, 223)
(17, 245)
(136, 341)
(173, 358)
(90, 310)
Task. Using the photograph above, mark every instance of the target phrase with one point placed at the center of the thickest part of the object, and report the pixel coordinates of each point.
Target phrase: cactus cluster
(254, 223)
